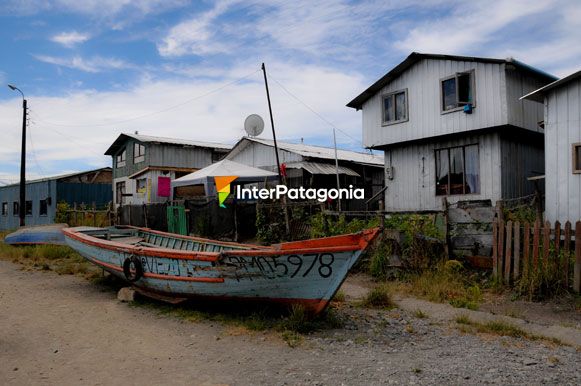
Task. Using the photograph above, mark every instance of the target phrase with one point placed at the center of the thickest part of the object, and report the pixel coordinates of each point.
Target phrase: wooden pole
(527, 249)
(500, 248)
(577, 267)
(536, 240)
(495, 248)
(516, 268)
(546, 246)
(567, 252)
(557, 260)
(508, 252)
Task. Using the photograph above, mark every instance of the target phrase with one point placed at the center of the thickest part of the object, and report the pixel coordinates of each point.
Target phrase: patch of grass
(446, 283)
(292, 338)
(339, 296)
(420, 314)
(500, 328)
(60, 259)
(379, 297)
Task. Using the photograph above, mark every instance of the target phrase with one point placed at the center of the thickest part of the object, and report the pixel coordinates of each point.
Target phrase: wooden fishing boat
(37, 235)
(178, 267)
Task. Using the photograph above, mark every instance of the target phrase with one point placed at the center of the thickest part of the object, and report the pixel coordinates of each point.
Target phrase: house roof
(243, 173)
(539, 95)
(120, 141)
(61, 176)
(312, 151)
(319, 168)
(415, 57)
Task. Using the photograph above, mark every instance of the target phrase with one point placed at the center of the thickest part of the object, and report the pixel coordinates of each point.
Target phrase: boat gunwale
(364, 238)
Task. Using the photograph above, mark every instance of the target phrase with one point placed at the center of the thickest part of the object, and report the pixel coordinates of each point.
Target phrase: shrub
(379, 297)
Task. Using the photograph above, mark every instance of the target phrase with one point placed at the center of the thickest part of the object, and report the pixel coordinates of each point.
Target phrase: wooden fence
(522, 249)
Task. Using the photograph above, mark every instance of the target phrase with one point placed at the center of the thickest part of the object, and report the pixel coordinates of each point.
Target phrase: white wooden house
(562, 122)
(454, 126)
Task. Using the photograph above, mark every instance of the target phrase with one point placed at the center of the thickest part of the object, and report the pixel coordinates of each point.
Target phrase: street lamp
(22, 204)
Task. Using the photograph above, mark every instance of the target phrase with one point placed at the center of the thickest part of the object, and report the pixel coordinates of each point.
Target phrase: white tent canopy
(244, 173)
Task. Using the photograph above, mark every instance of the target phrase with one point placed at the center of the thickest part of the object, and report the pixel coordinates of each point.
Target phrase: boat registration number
(271, 267)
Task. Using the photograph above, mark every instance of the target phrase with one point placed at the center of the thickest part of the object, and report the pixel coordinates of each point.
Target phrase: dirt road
(63, 330)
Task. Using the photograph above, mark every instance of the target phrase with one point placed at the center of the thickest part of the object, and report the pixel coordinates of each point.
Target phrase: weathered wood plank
(536, 239)
(577, 267)
(508, 252)
(557, 264)
(567, 252)
(527, 249)
(545, 264)
(495, 249)
(500, 259)
(516, 267)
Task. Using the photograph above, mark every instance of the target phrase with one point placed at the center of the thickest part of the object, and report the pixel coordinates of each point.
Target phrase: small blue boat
(175, 267)
(38, 235)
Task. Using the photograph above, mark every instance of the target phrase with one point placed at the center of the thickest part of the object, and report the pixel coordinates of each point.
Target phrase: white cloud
(470, 25)
(70, 39)
(94, 64)
(81, 125)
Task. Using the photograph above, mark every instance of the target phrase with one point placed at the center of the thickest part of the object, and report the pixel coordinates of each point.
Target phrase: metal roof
(539, 95)
(415, 57)
(120, 141)
(243, 173)
(319, 168)
(318, 151)
(60, 176)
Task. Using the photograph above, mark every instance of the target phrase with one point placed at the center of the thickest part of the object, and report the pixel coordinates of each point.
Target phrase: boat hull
(308, 276)
(38, 235)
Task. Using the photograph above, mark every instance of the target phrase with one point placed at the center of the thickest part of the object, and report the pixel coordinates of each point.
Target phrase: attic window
(394, 107)
(120, 160)
(138, 153)
(577, 158)
(457, 91)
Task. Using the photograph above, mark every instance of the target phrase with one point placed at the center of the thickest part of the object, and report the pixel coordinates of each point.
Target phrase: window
(394, 107)
(138, 153)
(457, 170)
(15, 208)
(120, 160)
(43, 208)
(28, 208)
(141, 185)
(4, 209)
(120, 191)
(577, 158)
(457, 91)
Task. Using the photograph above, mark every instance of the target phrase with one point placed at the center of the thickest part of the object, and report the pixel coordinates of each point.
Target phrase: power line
(154, 112)
(314, 111)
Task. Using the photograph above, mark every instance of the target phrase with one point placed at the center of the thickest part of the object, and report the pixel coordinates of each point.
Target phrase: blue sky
(190, 69)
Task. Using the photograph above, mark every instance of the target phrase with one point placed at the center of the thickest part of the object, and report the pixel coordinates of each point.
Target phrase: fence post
(536, 239)
(516, 268)
(567, 250)
(495, 248)
(508, 252)
(577, 267)
(500, 248)
(527, 249)
(557, 260)
(546, 246)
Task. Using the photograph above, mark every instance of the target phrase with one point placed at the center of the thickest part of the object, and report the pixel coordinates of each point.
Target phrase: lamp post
(22, 203)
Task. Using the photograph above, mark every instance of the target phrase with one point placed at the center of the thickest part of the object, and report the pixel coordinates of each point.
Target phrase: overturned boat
(175, 267)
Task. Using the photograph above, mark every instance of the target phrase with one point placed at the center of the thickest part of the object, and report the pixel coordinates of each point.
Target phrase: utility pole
(22, 203)
(337, 171)
(272, 124)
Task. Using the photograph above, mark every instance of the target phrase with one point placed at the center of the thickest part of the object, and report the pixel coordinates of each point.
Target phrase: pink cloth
(163, 186)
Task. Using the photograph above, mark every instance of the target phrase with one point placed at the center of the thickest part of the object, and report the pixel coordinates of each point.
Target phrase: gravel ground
(64, 330)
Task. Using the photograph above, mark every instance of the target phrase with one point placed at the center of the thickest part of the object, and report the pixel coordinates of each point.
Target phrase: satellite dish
(254, 125)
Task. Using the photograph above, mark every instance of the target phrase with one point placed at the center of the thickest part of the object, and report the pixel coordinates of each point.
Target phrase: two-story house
(562, 102)
(143, 165)
(454, 127)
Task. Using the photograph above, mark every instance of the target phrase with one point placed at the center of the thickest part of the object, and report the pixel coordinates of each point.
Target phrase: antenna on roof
(136, 132)
(254, 125)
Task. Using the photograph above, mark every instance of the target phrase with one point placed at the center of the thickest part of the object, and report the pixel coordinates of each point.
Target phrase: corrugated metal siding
(562, 129)
(523, 113)
(100, 194)
(34, 192)
(425, 118)
(519, 161)
(414, 183)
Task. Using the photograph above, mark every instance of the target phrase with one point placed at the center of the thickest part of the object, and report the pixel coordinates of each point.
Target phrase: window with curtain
(457, 170)
(395, 107)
